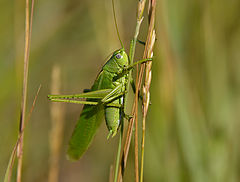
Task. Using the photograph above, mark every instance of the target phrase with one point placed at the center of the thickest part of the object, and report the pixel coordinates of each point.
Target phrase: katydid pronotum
(106, 97)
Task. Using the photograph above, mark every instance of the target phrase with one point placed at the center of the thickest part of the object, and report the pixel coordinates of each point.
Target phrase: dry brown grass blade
(148, 48)
(56, 133)
(8, 173)
(141, 6)
(28, 31)
(148, 53)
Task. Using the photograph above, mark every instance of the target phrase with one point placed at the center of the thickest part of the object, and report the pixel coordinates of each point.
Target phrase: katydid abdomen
(113, 114)
(112, 117)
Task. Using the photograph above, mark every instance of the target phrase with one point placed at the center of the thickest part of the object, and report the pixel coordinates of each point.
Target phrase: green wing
(86, 127)
(89, 121)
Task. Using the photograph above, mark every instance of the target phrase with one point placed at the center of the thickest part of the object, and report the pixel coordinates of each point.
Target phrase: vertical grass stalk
(141, 5)
(28, 30)
(148, 53)
(118, 154)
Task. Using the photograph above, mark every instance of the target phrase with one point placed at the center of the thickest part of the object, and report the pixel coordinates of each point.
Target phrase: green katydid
(106, 97)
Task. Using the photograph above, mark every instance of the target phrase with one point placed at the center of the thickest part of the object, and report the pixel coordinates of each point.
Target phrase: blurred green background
(193, 122)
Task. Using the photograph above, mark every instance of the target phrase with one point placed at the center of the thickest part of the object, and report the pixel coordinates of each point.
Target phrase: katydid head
(121, 57)
(117, 62)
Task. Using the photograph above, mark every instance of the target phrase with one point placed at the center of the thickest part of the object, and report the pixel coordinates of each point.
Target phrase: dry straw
(28, 32)
(148, 53)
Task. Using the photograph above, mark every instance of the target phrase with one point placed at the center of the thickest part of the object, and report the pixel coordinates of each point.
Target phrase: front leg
(126, 69)
(138, 62)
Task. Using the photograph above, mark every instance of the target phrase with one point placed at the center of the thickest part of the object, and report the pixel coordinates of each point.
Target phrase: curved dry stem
(8, 173)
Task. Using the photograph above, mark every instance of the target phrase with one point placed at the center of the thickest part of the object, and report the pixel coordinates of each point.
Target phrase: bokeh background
(193, 122)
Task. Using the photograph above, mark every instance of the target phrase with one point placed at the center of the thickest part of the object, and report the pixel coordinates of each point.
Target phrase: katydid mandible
(106, 97)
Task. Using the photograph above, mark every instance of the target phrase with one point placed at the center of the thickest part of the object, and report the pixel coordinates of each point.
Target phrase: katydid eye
(118, 56)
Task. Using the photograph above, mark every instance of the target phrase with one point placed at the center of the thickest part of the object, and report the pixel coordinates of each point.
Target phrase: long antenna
(115, 21)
